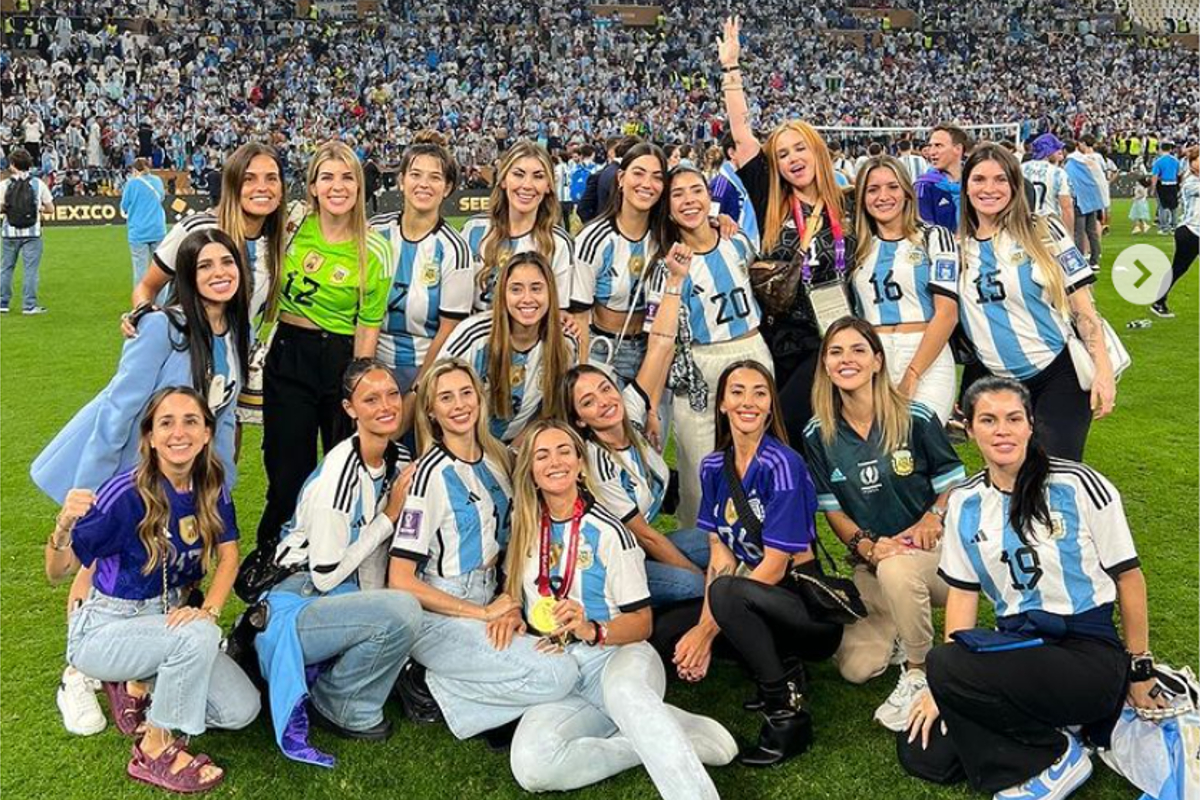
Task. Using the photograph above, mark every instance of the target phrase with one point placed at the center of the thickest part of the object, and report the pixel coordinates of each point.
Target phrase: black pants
(1187, 247)
(1062, 412)
(766, 624)
(1004, 711)
(301, 399)
(794, 376)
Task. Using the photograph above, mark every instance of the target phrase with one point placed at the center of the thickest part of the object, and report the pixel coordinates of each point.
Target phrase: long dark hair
(617, 198)
(724, 437)
(668, 232)
(1028, 504)
(197, 333)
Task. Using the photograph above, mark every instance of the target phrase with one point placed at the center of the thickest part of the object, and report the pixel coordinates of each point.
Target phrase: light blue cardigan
(102, 439)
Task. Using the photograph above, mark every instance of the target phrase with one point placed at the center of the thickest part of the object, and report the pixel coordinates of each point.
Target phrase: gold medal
(541, 616)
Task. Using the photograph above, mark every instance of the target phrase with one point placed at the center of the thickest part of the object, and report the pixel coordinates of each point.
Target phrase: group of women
(492, 406)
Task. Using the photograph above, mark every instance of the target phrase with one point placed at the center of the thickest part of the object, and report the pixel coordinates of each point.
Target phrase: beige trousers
(899, 596)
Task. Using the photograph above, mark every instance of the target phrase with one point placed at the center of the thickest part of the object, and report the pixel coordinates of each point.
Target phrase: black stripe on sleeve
(1082, 282)
(636, 605)
(1124, 566)
(324, 569)
(398, 552)
(343, 497)
(966, 586)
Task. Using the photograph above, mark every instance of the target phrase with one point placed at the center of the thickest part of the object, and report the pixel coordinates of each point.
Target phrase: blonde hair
(1016, 220)
(499, 232)
(208, 481)
(779, 193)
(429, 432)
(527, 500)
(334, 150)
(231, 218)
(893, 415)
(865, 226)
(556, 357)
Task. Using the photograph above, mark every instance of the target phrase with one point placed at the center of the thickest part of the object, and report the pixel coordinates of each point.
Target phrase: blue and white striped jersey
(470, 342)
(626, 484)
(746, 219)
(41, 197)
(915, 164)
(432, 279)
(720, 301)
(339, 515)
(1004, 307)
(610, 571)
(1066, 568)
(896, 281)
(561, 260)
(609, 268)
(456, 517)
(1049, 183)
(1189, 202)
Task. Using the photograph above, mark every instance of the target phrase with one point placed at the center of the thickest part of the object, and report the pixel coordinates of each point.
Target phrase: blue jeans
(670, 584)
(366, 636)
(29, 249)
(195, 684)
(142, 253)
(617, 720)
(477, 686)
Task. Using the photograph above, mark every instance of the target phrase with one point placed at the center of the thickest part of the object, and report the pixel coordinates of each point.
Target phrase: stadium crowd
(89, 93)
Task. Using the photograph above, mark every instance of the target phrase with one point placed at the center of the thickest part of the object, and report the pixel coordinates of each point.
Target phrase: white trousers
(937, 385)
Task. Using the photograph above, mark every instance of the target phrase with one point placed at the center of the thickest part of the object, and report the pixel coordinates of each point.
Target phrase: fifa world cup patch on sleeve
(1072, 261)
(410, 524)
(945, 269)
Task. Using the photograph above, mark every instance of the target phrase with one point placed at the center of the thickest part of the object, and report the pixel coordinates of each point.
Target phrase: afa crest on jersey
(902, 463)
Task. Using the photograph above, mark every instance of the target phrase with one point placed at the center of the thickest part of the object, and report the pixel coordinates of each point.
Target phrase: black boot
(413, 693)
(787, 725)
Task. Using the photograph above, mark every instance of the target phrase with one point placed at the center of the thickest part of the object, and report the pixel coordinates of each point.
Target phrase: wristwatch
(1141, 667)
(938, 511)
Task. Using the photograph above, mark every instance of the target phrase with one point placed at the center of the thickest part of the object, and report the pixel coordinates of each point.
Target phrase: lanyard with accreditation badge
(828, 298)
(553, 589)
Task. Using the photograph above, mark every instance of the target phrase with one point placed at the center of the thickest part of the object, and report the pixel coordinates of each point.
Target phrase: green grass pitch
(51, 365)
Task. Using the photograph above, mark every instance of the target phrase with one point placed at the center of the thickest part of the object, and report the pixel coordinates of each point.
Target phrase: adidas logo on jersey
(979, 537)
(944, 202)
(837, 476)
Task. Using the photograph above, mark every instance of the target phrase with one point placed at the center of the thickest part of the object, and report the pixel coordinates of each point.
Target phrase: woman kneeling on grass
(152, 533)
(1047, 542)
(582, 584)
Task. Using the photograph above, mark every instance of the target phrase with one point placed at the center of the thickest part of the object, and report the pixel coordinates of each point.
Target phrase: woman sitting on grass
(151, 533)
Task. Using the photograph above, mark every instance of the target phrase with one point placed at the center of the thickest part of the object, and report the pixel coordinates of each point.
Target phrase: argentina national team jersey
(915, 164)
(1066, 568)
(475, 229)
(609, 268)
(1049, 183)
(720, 301)
(747, 219)
(1004, 307)
(626, 483)
(456, 516)
(431, 280)
(610, 571)
(896, 281)
(469, 341)
(780, 493)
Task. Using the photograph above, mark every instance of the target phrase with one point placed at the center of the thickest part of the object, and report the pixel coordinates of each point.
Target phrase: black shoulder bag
(829, 598)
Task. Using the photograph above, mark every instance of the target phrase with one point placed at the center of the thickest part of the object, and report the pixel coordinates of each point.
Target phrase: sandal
(157, 771)
(129, 712)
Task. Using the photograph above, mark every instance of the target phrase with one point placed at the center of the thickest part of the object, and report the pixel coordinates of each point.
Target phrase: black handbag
(259, 572)
(828, 597)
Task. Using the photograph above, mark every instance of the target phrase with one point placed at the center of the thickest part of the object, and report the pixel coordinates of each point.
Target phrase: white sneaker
(1058, 780)
(77, 701)
(893, 714)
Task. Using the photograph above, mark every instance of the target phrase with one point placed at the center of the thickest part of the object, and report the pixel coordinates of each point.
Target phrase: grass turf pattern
(51, 365)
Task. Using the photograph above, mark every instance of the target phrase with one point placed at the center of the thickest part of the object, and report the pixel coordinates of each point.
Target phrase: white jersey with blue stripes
(629, 483)
(610, 268)
(1067, 567)
(1049, 184)
(896, 281)
(915, 164)
(470, 342)
(475, 229)
(1189, 202)
(720, 302)
(747, 218)
(456, 517)
(1004, 307)
(432, 280)
(610, 571)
